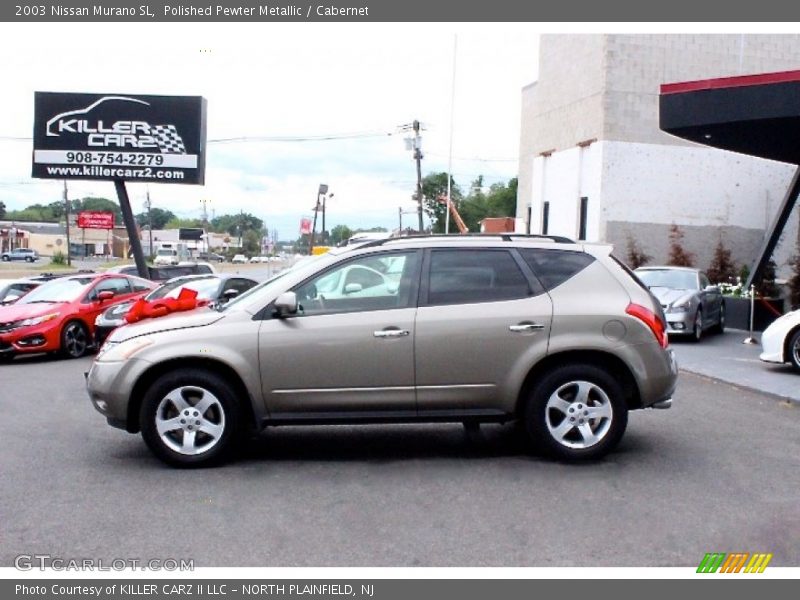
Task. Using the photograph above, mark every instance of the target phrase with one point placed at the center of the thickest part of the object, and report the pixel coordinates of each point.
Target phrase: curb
(779, 397)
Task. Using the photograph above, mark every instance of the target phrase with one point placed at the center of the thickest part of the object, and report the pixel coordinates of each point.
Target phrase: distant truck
(171, 253)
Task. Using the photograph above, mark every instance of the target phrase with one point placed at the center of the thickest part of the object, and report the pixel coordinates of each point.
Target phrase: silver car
(470, 329)
(691, 304)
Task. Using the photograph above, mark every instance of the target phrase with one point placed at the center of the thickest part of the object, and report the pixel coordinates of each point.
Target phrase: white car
(166, 256)
(239, 258)
(780, 341)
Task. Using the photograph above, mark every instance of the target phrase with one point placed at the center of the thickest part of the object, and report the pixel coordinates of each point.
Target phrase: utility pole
(149, 206)
(323, 189)
(418, 158)
(415, 144)
(66, 213)
(205, 223)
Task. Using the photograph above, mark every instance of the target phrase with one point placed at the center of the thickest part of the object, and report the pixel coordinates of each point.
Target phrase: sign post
(119, 138)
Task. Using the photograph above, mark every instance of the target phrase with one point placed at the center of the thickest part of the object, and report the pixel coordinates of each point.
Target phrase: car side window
(365, 283)
(704, 282)
(472, 276)
(118, 285)
(240, 285)
(554, 267)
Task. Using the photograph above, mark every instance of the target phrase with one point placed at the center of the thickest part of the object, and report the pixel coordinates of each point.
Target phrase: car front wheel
(576, 412)
(697, 331)
(190, 418)
(74, 340)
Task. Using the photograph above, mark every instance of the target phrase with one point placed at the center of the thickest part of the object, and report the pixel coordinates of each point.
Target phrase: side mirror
(228, 295)
(105, 295)
(286, 304)
(352, 288)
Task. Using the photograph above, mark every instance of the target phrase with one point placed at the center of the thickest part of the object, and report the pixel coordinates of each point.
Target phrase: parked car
(691, 304)
(58, 316)
(211, 256)
(239, 259)
(215, 288)
(488, 329)
(780, 341)
(12, 290)
(25, 254)
(166, 272)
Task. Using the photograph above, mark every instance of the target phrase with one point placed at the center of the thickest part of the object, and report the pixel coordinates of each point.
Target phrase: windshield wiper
(46, 301)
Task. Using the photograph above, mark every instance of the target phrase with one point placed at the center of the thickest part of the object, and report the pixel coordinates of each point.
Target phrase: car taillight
(652, 320)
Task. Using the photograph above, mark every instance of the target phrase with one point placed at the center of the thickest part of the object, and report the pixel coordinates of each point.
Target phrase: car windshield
(204, 286)
(58, 290)
(668, 278)
(165, 252)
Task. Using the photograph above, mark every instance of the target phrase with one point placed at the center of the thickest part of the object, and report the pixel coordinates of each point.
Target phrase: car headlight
(36, 320)
(680, 306)
(119, 351)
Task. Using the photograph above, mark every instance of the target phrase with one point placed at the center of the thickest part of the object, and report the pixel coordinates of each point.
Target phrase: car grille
(6, 327)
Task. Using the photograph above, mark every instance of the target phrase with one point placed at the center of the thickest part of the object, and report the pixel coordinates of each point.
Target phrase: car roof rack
(506, 237)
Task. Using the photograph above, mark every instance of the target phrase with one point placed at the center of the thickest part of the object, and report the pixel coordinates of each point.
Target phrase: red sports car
(59, 315)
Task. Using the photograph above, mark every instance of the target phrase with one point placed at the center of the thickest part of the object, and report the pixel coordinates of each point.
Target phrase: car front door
(481, 316)
(712, 301)
(349, 349)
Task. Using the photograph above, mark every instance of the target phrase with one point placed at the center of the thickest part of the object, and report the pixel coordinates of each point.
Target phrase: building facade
(594, 164)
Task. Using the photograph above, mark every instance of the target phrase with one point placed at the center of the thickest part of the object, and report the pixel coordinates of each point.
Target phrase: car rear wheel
(576, 412)
(794, 350)
(74, 340)
(720, 326)
(190, 418)
(29, 259)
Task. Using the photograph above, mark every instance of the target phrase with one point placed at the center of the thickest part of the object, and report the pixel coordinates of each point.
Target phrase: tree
(236, 224)
(178, 223)
(766, 288)
(678, 257)
(159, 216)
(340, 233)
(2, 210)
(721, 269)
(433, 186)
(636, 257)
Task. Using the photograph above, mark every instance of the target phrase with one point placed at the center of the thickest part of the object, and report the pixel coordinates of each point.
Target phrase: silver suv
(556, 335)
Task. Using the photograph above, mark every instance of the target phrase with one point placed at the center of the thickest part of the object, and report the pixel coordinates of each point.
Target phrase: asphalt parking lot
(717, 472)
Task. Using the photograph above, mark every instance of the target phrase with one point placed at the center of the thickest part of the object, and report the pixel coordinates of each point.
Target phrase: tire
(720, 326)
(29, 259)
(574, 391)
(184, 437)
(793, 350)
(697, 330)
(6, 258)
(74, 340)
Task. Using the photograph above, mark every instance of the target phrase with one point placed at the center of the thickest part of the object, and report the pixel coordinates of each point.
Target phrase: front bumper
(680, 323)
(110, 392)
(28, 340)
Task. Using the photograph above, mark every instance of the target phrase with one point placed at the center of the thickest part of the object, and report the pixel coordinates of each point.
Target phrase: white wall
(562, 179)
(651, 183)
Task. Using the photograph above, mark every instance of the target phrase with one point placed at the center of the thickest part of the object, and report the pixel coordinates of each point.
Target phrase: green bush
(58, 258)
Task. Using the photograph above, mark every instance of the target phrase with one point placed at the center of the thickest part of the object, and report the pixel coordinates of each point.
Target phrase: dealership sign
(95, 219)
(119, 137)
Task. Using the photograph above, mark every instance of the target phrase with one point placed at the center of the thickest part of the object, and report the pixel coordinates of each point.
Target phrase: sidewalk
(725, 358)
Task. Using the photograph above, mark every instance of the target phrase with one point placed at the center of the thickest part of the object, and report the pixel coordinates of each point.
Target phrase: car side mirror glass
(286, 304)
(352, 288)
(104, 295)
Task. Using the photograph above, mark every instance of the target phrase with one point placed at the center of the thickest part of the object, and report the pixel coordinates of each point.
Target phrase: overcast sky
(285, 80)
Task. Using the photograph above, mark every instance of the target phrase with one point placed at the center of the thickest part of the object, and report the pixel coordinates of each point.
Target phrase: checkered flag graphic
(168, 139)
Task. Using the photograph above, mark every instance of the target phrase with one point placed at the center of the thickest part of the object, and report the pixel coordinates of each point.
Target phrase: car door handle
(525, 327)
(391, 333)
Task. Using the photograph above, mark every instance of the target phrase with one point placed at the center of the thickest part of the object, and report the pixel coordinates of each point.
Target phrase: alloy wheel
(190, 420)
(578, 414)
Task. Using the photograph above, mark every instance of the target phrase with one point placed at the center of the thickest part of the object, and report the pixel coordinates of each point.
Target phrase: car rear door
(482, 319)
